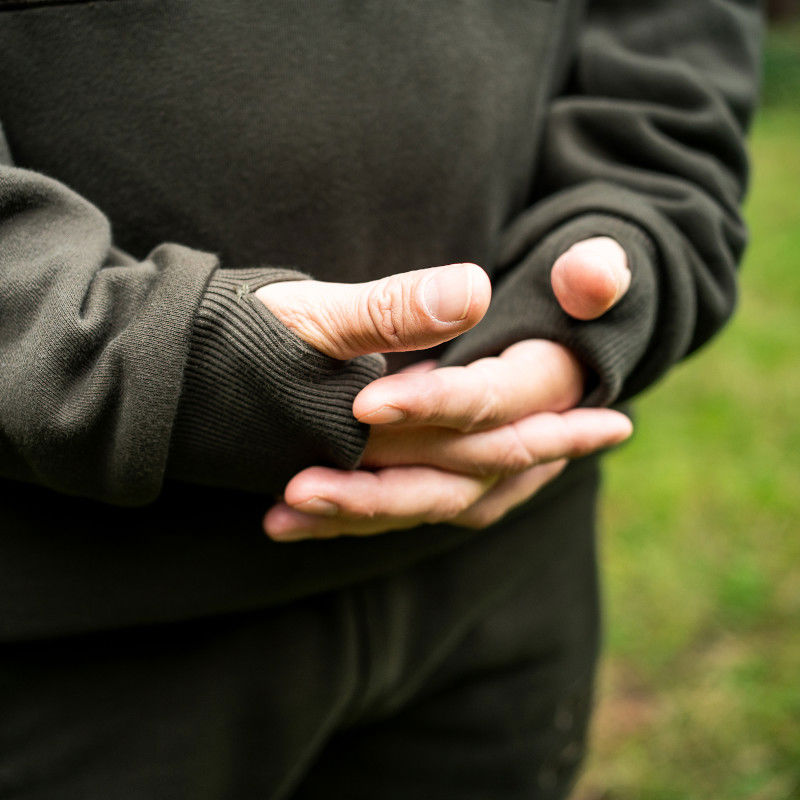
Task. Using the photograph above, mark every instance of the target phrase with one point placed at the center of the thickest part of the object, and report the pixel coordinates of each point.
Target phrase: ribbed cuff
(524, 307)
(258, 403)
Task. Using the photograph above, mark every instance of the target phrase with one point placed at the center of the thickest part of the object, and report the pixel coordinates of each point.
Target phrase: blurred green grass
(700, 689)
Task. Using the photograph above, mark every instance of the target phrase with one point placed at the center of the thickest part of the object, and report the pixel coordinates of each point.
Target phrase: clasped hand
(462, 445)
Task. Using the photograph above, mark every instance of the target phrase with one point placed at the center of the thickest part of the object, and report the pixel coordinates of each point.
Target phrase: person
(435, 632)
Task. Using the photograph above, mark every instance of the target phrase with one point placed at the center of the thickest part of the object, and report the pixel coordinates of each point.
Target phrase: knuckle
(515, 456)
(434, 397)
(363, 508)
(365, 504)
(384, 304)
(451, 505)
(486, 410)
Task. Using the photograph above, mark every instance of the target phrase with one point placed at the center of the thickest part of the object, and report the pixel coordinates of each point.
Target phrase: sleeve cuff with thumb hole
(258, 403)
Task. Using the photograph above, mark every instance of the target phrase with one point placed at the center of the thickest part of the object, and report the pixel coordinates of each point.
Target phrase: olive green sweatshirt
(164, 158)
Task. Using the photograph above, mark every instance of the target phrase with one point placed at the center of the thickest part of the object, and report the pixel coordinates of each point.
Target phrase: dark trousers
(467, 676)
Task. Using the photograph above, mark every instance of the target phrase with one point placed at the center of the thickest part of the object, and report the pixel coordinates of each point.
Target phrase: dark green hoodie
(168, 152)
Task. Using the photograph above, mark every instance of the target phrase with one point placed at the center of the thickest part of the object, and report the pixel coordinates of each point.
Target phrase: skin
(458, 444)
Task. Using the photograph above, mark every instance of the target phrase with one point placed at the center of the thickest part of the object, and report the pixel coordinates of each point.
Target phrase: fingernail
(318, 505)
(447, 293)
(383, 415)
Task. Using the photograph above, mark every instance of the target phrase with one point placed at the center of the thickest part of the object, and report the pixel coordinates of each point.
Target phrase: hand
(459, 444)
(406, 311)
(468, 477)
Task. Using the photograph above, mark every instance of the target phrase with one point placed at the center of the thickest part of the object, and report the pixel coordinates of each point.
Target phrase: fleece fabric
(391, 688)
(170, 155)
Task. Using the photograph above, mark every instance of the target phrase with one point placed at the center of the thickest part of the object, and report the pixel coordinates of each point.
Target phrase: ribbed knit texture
(524, 307)
(258, 403)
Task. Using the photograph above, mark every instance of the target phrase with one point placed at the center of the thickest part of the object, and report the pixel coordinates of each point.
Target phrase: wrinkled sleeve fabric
(644, 143)
(117, 374)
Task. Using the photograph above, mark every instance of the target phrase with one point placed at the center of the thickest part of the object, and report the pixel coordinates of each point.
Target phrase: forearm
(100, 353)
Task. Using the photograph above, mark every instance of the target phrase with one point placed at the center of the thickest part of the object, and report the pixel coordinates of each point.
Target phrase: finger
(508, 449)
(406, 311)
(408, 495)
(394, 491)
(532, 375)
(508, 494)
(591, 277)
(285, 524)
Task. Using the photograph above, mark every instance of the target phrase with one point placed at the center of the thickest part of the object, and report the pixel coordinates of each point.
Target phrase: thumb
(406, 311)
(591, 277)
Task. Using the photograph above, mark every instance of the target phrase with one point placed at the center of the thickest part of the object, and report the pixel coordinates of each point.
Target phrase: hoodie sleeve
(643, 143)
(116, 374)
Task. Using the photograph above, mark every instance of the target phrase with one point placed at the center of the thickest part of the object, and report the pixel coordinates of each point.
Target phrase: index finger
(530, 376)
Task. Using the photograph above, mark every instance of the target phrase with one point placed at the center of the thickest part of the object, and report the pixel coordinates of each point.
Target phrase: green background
(700, 687)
